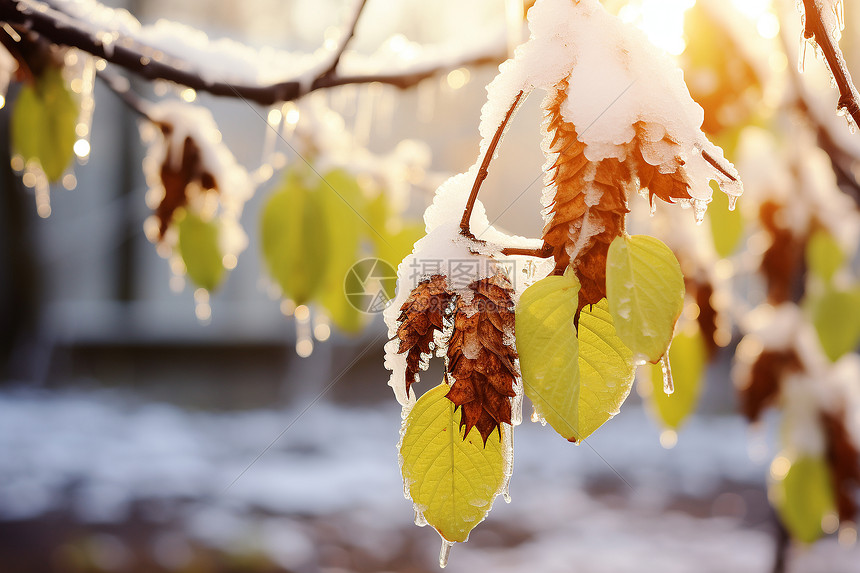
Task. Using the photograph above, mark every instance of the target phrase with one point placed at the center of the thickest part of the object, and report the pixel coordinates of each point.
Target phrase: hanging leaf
(645, 289)
(824, 255)
(836, 316)
(294, 239)
(727, 227)
(482, 359)
(606, 369)
(198, 245)
(549, 351)
(451, 478)
(43, 123)
(342, 203)
(421, 317)
(803, 497)
(688, 356)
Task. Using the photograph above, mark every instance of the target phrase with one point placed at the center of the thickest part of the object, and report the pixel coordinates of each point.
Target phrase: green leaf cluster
(577, 379)
(43, 123)
(314, 229)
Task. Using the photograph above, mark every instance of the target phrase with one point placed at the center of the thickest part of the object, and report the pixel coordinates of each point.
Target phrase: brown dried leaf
(481, 365)
(421, 316)
(844, 461)
(590, 201)
(782, 263)
(176, 179)
(765, 377)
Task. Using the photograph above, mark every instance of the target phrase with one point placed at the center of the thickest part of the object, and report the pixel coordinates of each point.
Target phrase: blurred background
(135, 436)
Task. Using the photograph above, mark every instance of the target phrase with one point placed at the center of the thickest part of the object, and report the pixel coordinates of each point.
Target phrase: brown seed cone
(176, 179)
(481, 362)
(765, 377)
(589, 205)
(421, 316)
(844, 461)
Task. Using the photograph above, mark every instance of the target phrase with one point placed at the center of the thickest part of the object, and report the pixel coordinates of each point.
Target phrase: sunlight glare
(661, 20)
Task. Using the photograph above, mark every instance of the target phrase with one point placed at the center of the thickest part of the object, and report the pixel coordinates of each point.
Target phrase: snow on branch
(230, 69)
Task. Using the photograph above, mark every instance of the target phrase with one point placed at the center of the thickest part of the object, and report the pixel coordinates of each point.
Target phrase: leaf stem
(484, 170)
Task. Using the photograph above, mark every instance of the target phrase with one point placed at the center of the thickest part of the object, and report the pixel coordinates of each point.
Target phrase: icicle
(840, 14)
(364, 113)
(537, 418)
(733, 201)
(445, 552)
(419, 519)
(801, 59)
(653, 206)
(83, 86)
(304, 341)
(202, 310)
(426, 101)
(668, 383)
(699, 210)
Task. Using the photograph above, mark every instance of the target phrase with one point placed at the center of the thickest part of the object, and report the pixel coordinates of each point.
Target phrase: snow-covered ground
(618, 503)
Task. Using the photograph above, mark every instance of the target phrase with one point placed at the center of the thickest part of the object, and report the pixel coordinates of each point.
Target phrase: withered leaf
(481, 356)
(421, 316)
(844, 461)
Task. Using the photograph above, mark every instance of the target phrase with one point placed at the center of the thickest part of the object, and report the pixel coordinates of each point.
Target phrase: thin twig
(543, 252)
(350, 32)
(814, 29)
(120, 86)
(151, 68)
(484, 170)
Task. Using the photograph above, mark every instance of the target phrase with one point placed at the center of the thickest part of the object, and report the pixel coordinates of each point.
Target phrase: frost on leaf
(422, 315)
(482, 359)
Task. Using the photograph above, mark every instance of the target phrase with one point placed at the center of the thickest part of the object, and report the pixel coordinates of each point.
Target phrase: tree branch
(814, 29)
(147, 67)
(484, 170)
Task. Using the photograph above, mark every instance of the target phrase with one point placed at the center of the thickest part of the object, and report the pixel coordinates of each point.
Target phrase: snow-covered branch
(122, 42)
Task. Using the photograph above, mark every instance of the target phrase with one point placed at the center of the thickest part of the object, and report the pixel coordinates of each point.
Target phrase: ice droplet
(653, 206)
(420, 521)
(445, 552)
(733, 200)
(506, 492)
(668, 383)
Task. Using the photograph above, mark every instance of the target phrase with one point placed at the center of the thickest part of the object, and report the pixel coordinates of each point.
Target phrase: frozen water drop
(653, 207)
(506, 493)
(668, 383)
(445, 552)
(420, 521)
(733, 201)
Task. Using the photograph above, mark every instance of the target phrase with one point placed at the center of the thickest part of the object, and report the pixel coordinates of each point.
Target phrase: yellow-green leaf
(549, 351)
(836, 316)
(295, 238)
(824, 256)
(727, 226)
(452, 481)
(342, 203)
(687, 357)
(645, 289)
(605, 369)
(200, 251)
(803, 497)
(43, 123)
(392, 245)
